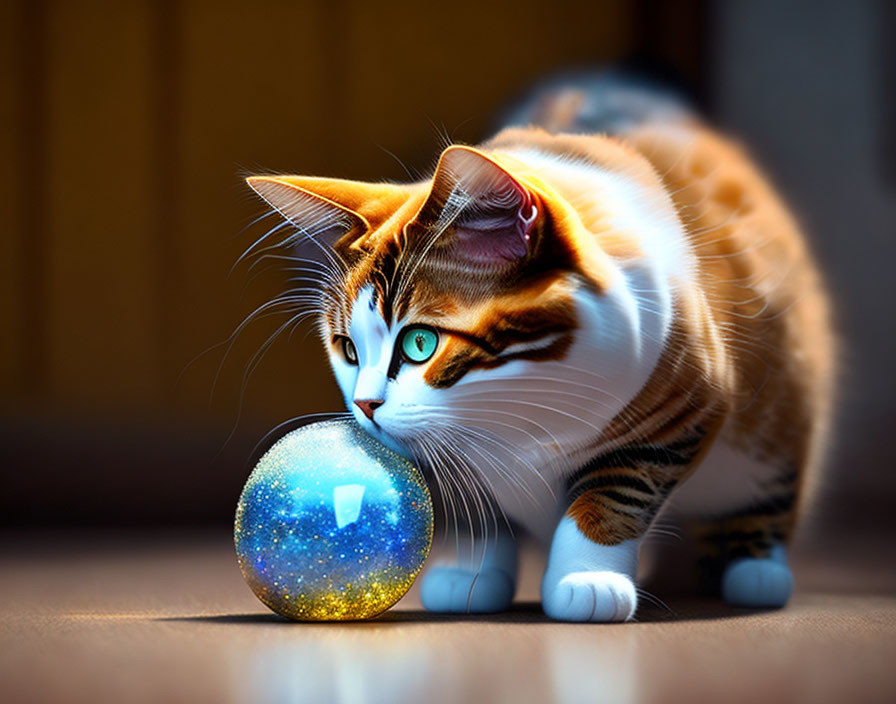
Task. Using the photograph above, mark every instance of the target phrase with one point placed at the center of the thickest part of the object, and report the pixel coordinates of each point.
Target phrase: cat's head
(439, 298)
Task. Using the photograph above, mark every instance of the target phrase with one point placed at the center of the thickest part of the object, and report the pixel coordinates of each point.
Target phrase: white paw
(757, 583)
(458, 590)
(589, 596)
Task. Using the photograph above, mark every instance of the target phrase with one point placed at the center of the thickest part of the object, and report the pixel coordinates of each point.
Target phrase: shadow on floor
(524, 612)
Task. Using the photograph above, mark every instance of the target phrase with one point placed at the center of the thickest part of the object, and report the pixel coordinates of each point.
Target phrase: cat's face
(382, 371)
(439, 299)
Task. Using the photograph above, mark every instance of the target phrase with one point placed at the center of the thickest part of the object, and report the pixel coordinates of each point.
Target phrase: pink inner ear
(498, 226)
(489, 237)
(497, 213)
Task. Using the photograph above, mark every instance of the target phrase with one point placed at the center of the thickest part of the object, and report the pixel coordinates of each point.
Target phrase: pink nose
(368, 406)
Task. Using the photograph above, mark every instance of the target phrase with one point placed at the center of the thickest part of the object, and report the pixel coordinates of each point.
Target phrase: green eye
(419, 344)
(347, 347)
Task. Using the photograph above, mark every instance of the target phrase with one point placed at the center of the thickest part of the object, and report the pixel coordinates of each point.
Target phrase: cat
(601, 314)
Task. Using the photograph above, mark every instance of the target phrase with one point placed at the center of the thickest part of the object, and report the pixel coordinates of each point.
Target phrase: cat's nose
(368, 406)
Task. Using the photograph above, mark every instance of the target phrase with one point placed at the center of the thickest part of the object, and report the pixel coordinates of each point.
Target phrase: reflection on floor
(172, 620)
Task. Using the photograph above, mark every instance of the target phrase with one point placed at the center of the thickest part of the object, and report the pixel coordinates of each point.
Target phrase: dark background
(125, 130)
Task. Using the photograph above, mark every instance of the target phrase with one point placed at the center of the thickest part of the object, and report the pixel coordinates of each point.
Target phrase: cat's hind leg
(759, 582)
(743, 511)
(482, 581)
(743, 554)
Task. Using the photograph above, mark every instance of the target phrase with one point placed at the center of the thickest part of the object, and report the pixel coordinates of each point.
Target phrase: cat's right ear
(313, 214)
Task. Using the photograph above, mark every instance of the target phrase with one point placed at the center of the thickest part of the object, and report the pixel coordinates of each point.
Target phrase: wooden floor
(94, 619)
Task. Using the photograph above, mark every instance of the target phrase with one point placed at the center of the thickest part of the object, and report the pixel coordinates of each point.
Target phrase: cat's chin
(394, 445)
(377, 432)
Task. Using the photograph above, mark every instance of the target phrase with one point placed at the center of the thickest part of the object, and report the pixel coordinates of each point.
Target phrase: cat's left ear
(481, 212)
(328, 209)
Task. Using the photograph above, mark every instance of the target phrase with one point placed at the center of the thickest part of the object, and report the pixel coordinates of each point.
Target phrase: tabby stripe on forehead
(382, 275)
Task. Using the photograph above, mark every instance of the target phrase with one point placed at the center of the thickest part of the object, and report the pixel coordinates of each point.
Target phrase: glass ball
(332, 525)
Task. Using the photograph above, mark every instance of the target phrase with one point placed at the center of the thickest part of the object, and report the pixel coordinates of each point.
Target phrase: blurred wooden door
(126, 128)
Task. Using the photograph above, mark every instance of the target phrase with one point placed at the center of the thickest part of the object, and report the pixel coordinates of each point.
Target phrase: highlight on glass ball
(332, 525)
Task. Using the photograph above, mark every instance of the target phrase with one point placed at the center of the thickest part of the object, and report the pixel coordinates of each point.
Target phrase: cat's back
(761, 282)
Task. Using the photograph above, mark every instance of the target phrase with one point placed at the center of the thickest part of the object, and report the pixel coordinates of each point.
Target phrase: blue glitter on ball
(332, 525)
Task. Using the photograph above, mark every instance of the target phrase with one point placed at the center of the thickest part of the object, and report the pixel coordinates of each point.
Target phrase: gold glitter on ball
(332, 525)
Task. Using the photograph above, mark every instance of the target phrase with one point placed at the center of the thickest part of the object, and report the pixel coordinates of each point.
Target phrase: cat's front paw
(598, 597)
(461, 591)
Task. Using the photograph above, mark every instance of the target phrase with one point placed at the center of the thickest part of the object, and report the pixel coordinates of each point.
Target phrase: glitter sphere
(332, 525)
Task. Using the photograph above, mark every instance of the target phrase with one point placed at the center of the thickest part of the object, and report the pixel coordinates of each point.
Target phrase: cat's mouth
(384, 436)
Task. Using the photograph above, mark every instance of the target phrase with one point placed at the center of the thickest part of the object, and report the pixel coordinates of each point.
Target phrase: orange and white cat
(571, 331)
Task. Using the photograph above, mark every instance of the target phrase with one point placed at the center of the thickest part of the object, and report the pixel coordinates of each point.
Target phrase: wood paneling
(252, 98)
(12, 325)
(134, 123)
(125, 130)
(101, 346)
(414, 74)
